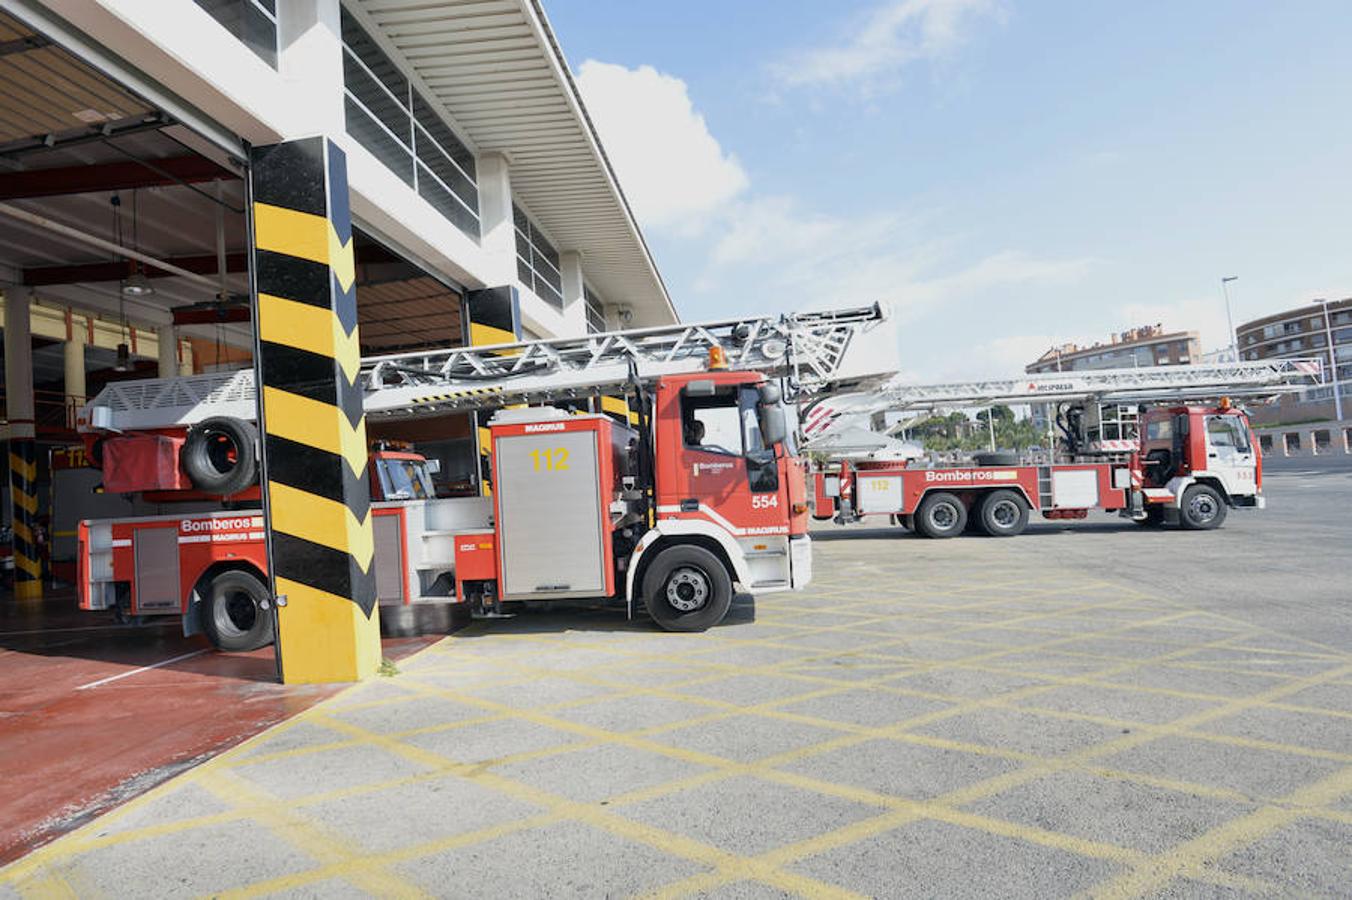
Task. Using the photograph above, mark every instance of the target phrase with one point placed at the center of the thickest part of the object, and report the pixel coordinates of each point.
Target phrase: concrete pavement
(1096, 709)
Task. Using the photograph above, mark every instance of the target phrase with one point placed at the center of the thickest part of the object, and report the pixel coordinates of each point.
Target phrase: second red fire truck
(1192, 464)
(1151, 444)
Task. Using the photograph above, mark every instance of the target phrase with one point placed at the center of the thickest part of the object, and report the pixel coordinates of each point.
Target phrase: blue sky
(1004, 174)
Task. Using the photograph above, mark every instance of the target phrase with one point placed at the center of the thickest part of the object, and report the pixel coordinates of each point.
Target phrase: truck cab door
(1230, 455)
(727, 472)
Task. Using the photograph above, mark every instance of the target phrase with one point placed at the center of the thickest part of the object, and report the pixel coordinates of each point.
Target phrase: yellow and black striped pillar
(23, 490)
(494, 316)
(618, 409)
(314, 428)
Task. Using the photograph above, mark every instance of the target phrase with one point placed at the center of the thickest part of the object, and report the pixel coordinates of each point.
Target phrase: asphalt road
(1093, 709)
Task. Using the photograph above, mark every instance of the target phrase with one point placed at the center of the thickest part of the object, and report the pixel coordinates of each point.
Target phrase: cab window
(1159, 429)
(712, 424)
(728, 422)
(1225, 431)
(403, 479)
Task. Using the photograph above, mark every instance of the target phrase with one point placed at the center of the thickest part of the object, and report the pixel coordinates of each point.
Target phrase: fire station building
(193, 186)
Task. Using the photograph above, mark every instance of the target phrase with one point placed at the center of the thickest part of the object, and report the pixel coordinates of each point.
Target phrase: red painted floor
(74, 744)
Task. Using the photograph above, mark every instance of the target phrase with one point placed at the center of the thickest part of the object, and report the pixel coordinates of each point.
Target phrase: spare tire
(996, 458)
(220, 455)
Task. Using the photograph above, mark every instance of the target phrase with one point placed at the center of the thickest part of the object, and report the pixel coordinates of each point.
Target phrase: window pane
(375, 59)
(371, 136)
(379, 103)
(432, 191)
(451, 177)
(247, 22)
(435, 127)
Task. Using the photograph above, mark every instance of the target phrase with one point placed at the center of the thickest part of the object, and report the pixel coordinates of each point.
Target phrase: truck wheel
(1203, 508)
(941, 515)
(220, 455)
(1003, 514)
(237, 612)
(687, 588)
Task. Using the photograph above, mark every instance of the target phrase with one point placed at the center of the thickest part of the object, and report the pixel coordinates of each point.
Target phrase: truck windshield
(405, 479)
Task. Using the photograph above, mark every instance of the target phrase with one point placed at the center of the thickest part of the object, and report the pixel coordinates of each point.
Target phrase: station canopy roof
(499, 71)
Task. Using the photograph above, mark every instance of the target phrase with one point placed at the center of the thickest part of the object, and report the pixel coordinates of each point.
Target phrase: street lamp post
(1333, 359)
(1229, 319)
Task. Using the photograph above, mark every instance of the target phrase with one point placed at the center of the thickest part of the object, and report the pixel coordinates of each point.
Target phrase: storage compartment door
(389, 557)
(551, 525)
(878, 494)
(157, 587)
(1075, 489)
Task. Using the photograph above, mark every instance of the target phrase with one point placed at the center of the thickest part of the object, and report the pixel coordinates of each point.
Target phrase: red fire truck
(703, 492)
(1191, 465)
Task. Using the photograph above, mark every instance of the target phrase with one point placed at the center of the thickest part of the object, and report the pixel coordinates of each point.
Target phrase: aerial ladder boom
(807, 348)
(1257, 379)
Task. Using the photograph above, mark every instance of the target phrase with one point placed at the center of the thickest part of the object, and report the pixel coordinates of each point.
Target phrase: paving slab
(935, 859)
(1108, 810)
(732, 813)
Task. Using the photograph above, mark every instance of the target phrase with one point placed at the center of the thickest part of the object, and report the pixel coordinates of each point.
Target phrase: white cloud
(885, 41)
(670, 167)
(887, 257)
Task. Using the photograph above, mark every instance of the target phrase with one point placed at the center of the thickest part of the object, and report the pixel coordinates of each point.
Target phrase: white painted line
(127, 628)
(163, 662)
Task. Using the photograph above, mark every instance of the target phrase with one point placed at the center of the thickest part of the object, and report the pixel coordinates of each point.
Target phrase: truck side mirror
(774, 425)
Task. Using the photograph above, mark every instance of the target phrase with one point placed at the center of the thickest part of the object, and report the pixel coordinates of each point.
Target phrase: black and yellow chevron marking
(314, 445)
(618, 409)
(494, 316)
(23, 489)
(457, 395)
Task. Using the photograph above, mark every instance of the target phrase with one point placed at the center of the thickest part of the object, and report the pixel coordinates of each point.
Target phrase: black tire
(96, 454)
(940, 515)
(1003, 514)
(996, 458)
(237, 612)
(220, 455)
(687, 588)
(1203, 508)
(1154, 517)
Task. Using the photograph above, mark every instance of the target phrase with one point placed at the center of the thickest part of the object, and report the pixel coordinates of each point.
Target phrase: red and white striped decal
(817, 420)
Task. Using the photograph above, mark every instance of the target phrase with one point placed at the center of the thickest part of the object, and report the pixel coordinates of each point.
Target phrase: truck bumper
(800, 561)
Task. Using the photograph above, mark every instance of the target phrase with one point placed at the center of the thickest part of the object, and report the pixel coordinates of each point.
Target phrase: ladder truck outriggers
(703, 491)
(1163, 445)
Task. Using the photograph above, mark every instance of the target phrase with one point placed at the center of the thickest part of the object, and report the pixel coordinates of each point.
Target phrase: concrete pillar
(497, 229)
(310, 57)
(168, 351)
(73, 356)
(185, 360)
(313, 429)
(23, 451)
(574, 309)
